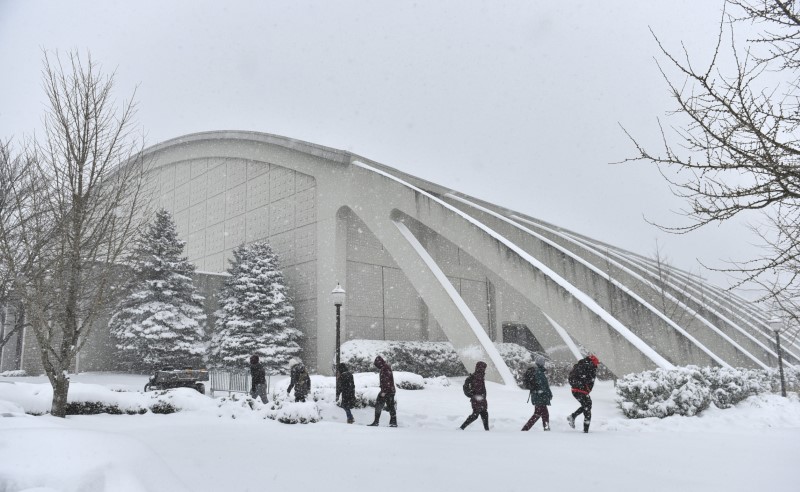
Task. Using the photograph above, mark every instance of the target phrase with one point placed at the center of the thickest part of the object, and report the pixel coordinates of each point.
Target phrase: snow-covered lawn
(753, 446)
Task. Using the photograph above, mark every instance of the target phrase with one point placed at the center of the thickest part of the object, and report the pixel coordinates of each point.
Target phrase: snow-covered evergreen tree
(161, 322)
(255, 315)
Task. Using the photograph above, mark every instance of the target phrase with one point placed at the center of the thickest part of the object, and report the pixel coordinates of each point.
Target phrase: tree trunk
(60, 391)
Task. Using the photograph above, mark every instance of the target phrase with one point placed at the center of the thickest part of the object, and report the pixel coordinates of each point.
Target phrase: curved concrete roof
(608, 299)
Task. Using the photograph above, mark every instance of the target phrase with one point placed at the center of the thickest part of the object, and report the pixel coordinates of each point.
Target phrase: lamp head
(337, 295)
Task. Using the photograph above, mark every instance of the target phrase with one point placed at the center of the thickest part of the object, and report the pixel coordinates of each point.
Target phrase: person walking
(386, 395)
(347, 389)
(299, 380)
(540, 395)
(477, 387)
(258, 380)
(581, 379)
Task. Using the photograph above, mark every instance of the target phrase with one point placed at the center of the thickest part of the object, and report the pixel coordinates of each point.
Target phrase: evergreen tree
(256, 315)
(161, 322)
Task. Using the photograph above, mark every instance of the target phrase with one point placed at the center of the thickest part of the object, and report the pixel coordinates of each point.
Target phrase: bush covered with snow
(288, 412)
(517, 358)
(690, 390)
(19, 373)
(661, 393)
(428, 359)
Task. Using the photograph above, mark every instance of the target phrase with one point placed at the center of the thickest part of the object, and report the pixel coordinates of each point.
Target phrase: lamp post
(337, 297)
(777, 324)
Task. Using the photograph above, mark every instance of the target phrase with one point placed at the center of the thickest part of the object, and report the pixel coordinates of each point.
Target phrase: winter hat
(594, 359)
(342, 367)
(254, 359)
(540, 361)
(480, 367)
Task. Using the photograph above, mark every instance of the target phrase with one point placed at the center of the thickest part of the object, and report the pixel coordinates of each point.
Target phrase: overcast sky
(518, 103)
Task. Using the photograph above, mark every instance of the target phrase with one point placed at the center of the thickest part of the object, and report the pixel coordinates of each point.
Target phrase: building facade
(423, 262)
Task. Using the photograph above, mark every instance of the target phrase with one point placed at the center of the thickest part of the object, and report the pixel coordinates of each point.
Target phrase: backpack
(575, 376)
(469, 391)
(301, 384)
(529, 379)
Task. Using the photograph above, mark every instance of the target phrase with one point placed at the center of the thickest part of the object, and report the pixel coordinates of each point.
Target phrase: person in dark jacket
(480, 407)
(540, 397)
(581, 379)
(347, 389)
(299, 380)
(258, 386)
(386, 395)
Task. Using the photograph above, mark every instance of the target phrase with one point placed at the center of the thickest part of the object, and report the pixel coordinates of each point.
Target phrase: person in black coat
(480, 407)
(386, 395)
(258, 386)
(581, 379)
(299, 380)
(347, 389)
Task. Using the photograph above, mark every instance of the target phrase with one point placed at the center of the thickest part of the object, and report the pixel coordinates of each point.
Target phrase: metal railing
(231, 381)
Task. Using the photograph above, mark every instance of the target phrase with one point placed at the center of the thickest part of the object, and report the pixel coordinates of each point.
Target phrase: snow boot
(393, 422)
(374, 424)
(586, 426)
(351, 421)
(571, 421)
(546, 427)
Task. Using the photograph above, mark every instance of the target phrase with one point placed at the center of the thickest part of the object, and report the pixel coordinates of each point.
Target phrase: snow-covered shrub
(517, 358)
(661, 393)
(256, 315)
(689, 390)
(93, 408)
(428, 359)
(19, 373)
(163, 407)
(730, 386)
(161, 322)
(294, 412)
(408, 380)
(437, 382)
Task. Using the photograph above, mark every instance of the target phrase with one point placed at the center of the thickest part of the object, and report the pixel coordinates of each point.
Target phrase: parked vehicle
(169, 378)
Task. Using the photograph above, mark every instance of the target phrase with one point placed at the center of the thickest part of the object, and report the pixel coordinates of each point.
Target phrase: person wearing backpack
(299, 380)
(258, 380)
(536, 381)
(386, 395)
(347, 389)
(475, 388)
(581, 379)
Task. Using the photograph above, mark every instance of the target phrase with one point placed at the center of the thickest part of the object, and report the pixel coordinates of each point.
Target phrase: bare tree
(77, 215)
(735, 148)
(674, 293)
(16, 191)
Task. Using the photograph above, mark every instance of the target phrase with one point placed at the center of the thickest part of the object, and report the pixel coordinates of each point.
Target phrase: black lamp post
(337, 297)
(777, 324)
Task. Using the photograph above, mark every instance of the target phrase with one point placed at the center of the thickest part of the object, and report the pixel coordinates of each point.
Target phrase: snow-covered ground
(213, 447)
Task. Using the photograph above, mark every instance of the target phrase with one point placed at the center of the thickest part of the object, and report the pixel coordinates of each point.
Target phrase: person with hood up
(258, 386)
(386, 395)
(540, 397)
(347, 389)
(480, 407)
(581, 379)
(299, 380)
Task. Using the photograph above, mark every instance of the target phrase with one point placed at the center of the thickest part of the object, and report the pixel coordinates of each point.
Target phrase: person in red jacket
(480, 407)
(386, 396)
(581, 379)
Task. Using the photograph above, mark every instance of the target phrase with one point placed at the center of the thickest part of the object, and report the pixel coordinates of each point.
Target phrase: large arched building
(423, 262)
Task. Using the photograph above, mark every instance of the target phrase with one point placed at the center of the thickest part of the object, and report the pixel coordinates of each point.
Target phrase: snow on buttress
(579, 295)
